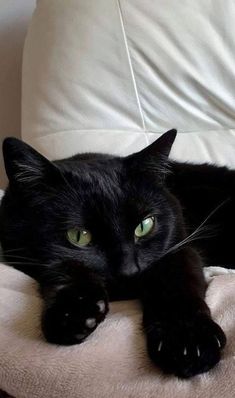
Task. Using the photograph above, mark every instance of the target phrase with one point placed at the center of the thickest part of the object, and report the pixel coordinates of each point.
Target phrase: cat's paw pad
(70, 318)
(186, 348)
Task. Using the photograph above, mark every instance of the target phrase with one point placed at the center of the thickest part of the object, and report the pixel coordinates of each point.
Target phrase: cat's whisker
(24, 263)
(19, 257)
(27, 260)
(7, 256)
(203, 233)
(14, 250)
(197, 233)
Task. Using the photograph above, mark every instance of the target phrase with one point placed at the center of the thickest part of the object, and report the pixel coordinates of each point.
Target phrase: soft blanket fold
(112, 362)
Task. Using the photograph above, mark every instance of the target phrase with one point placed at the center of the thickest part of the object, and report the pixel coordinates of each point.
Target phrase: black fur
(110, 196)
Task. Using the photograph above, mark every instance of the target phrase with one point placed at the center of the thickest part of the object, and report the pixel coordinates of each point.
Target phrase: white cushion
(111, 75)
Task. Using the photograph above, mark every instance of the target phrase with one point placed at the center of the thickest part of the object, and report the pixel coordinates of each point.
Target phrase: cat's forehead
(90, 177)
(99, 184)
(105, 184)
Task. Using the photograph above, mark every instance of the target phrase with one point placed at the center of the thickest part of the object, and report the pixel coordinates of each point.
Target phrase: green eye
(79, 237)
(145, 227)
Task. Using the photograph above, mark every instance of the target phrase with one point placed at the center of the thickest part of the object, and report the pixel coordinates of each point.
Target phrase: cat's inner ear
(155, 156)
(24, 164)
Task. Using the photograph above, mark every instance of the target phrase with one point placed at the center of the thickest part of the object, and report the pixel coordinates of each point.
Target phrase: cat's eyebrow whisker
(68, 184)
(197, 233)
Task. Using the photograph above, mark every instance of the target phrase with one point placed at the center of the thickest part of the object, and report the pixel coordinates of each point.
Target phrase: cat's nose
(128, 269)
(126, 265)
(123, 262)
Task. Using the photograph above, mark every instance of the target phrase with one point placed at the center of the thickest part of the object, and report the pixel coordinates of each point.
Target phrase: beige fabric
(112, 362)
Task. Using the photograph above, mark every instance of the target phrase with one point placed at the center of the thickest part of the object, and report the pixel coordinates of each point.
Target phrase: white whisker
(197, 233)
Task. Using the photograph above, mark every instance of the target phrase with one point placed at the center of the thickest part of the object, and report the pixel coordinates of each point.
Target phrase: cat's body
(109, 197)
(207, 191)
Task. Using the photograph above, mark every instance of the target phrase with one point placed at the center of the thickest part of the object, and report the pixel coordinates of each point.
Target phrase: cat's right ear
(154, 158)
(25, 166)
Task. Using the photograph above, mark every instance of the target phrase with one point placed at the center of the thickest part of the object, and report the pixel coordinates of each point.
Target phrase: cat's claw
(189, 348)
(159, 346)
(218, 342)
(198, 352)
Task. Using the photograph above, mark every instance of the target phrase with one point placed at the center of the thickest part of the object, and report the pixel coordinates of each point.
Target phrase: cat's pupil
(79, 237)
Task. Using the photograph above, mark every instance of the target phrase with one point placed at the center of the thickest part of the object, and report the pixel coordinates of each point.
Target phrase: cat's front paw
(71, 315)
(186, 348)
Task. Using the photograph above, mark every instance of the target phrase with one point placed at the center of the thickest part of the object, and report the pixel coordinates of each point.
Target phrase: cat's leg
(181, 336)
(75, 302)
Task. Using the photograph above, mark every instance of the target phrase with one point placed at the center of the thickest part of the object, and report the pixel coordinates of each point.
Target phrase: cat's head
(112, 214)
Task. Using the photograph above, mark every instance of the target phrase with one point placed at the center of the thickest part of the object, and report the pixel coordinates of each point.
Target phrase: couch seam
(133, 131)
(131, 69)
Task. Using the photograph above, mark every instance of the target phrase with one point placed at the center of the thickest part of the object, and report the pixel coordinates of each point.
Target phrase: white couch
(111, 76)
(14, 19)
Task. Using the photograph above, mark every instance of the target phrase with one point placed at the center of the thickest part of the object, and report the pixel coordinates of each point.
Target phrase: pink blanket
(112, 362)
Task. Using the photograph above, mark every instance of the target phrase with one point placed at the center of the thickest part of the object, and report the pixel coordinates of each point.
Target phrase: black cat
(94, 228)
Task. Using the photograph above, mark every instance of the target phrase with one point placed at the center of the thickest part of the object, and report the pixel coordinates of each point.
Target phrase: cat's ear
(161, 146)
(155, 156)
(24, 165)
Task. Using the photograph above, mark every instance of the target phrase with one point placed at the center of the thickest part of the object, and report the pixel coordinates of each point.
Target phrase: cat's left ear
(27, 167)
(155, 156)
